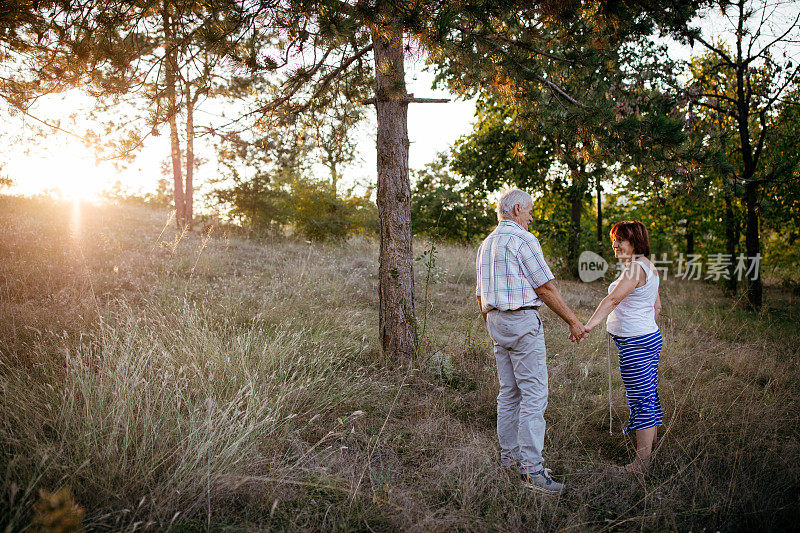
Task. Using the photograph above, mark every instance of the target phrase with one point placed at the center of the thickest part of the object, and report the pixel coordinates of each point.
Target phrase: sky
(63, 165)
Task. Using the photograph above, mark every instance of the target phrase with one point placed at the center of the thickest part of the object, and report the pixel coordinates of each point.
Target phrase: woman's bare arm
(657, 305)
(629, 280)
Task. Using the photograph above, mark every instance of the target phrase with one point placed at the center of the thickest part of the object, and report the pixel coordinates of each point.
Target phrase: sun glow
(64, 169)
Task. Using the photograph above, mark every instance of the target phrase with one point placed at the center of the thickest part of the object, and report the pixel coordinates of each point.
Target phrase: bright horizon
(64, 167)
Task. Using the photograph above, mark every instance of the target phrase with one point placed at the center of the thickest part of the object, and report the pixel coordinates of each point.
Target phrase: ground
(211, 380)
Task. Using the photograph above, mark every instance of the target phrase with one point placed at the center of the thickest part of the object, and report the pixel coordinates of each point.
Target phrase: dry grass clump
(208, 381)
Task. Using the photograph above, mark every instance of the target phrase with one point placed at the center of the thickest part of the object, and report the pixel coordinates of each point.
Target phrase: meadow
(190, 381)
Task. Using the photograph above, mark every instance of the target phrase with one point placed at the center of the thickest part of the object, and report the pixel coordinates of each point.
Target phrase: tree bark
(754, 286)
(334, 176)
(749, 162)
(397, 323)
(731, 240)
(189, 195)
(169, 79)
(576, 208)
(599, 215)
(689, 240)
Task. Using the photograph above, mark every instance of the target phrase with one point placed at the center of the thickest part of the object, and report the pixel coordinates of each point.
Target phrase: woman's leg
(639, 364)
(645, 438)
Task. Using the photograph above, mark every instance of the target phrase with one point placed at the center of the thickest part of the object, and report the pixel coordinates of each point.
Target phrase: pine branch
(410, 99)
(326, 81)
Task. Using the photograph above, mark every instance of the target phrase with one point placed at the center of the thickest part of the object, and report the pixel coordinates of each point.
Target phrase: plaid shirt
(510, 265)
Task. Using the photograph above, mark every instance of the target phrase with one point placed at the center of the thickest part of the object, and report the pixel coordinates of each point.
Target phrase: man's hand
(577, 332)
(549, 294)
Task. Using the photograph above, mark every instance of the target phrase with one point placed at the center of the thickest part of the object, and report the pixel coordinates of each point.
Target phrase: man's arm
(480, 308)
(548, 293)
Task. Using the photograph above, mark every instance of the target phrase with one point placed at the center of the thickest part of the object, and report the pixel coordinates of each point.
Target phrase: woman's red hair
(635, 233)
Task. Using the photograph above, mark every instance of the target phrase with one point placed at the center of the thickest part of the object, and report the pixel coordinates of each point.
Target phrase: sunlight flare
(65, 169)
(75, 227)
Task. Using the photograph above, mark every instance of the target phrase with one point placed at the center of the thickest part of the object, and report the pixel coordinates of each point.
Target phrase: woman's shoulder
(646, 265)
(634, 268)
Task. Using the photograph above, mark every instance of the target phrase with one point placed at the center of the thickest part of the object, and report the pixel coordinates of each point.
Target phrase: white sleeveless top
(635, 314)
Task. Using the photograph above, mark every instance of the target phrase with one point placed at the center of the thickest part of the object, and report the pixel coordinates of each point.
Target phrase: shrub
(318, 212)
(443, 207)
(260, 202)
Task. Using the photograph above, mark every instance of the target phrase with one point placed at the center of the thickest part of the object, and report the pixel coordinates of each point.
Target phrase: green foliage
(527, 137)
(258, 203)
(320, 214)
(362, 214)
(780, 200)
(498, 152)
(446, 207)
(312, 207)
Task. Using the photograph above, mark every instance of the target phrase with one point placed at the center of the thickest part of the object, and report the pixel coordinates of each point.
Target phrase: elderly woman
(632, 307)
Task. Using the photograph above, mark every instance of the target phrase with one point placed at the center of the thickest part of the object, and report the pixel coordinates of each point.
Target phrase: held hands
(578, 332)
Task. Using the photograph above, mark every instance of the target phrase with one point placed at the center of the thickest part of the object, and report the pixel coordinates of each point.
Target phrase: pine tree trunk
(599, 215)
(189, 197)
(752, 245)
(576, 207)
(172, 110)
(397, 323)
(689, 240)
(731, 240)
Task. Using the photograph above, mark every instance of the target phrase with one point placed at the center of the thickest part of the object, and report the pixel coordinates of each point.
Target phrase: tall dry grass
(177, 381)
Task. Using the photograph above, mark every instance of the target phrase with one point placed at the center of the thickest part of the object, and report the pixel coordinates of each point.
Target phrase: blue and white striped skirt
(638, 364)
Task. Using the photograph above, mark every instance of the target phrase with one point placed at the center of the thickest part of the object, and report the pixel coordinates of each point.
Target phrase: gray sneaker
(542, 482)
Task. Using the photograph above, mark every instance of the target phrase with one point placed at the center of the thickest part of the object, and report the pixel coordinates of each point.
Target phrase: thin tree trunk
(731, 240)
(172, 110)
(189, 197)
(749, 162)
(752, 245)
(599, 214)
(689, 240)
(467, 220)
(576, 207)
(334, 176)
(397, 323)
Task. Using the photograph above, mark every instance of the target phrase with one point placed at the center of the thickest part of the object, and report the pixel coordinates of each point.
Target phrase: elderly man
(513, 282)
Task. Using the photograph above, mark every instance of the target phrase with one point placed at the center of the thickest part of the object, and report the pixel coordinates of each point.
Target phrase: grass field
(208, 381)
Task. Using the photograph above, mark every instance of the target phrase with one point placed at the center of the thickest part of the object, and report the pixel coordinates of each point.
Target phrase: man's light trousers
(518, 339)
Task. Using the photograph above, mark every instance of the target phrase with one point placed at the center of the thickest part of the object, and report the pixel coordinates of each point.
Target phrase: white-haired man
(513, 282)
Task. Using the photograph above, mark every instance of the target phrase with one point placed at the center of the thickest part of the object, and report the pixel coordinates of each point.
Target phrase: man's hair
(635, 233)
(510, 198)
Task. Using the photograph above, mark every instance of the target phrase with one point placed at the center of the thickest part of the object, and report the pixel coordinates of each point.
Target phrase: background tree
(180, 65)
(761, 69)
(706, 187)
(549, 145)
(157, 56)
(780, 197)
(332, 129)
